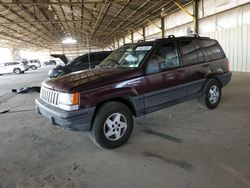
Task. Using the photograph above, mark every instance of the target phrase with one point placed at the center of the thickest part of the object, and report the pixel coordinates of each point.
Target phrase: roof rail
(193, 35)
(139, 41)
(171, 36)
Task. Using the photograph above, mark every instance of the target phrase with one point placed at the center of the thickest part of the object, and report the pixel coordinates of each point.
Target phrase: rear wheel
(17, 71)
(33, 67)
(112, 125)
(211, 96)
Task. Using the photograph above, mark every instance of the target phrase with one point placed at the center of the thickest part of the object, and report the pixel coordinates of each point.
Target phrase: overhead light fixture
(50, 8)
(163, 13)
(69, 40)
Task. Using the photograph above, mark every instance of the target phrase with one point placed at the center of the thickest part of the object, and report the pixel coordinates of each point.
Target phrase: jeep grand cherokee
(135, 80)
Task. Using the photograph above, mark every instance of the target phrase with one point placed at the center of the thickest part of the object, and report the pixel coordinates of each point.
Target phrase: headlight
(50, 71)
(68, 101)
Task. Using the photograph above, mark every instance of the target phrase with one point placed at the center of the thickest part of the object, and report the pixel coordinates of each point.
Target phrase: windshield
(79, 61)
(129, 56)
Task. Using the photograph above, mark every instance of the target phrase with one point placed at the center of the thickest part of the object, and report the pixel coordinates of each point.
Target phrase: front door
(164, 80)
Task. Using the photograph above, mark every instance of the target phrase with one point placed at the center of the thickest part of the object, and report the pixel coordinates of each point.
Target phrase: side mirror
(153, 67)
(154, 64)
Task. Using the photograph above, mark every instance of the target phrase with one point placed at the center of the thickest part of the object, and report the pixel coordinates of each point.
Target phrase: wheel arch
(16, 68)
(215, 77)
(124, 100)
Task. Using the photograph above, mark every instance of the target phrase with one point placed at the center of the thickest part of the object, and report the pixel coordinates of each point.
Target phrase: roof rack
(193, 35)
(140, 41)
(171, 36)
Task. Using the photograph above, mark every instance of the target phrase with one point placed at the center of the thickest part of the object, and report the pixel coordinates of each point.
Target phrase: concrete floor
(179, 147)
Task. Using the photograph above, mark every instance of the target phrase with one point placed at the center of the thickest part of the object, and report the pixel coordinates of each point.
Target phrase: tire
(33, 67)
(112, 125)
(17, 71)
(211, 96)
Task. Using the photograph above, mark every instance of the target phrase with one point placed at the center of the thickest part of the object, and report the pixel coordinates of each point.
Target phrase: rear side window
(189, 53)
(200, 53)
(11, 63)
(211, 49)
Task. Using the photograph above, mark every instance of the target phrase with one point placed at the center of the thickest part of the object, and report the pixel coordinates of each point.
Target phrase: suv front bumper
(78, 120)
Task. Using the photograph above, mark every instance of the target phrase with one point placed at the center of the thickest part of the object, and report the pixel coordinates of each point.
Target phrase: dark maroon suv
(135, 80)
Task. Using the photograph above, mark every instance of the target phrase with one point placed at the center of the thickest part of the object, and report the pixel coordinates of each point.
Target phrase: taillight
(228, 65)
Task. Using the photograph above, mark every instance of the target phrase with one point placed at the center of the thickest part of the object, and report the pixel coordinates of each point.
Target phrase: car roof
(13, 62)
(170, 37)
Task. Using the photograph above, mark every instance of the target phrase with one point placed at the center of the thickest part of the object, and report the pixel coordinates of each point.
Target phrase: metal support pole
(132, 38)
(162, 27)
(88, 45)
(143, 34)
(195, 17)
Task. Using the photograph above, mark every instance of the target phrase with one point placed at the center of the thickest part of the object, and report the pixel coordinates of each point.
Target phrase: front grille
(49, 95)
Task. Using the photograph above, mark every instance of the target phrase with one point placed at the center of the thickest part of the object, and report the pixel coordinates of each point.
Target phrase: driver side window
(166, 56)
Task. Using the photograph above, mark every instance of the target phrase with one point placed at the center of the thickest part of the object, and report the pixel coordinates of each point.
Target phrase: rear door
(164, 85)
(194, 64)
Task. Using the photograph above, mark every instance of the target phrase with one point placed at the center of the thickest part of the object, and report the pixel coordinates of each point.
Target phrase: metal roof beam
(20, 39)
(117, 14)
(73, 3)
(99, 19)
(38, 29)
(20, 26)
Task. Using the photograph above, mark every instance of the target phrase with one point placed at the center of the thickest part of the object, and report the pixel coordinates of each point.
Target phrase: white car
(34, 64)
(15, 67)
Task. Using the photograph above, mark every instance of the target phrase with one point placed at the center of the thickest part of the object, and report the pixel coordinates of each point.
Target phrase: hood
(90, 79)
(61, 56)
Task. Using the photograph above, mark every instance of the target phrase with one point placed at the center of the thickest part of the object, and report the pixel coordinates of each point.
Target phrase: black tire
(33, 67)
(17, 71)
(206, 100)
(99, 126)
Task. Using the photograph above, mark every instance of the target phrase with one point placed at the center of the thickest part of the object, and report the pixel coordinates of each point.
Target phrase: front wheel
(17, 71)
(211, 96)
(112, 125)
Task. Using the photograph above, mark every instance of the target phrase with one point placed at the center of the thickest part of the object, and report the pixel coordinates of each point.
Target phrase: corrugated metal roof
(44, 23)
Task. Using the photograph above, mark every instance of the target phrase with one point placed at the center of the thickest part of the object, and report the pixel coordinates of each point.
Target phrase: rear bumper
(225, 78)
(79, 120)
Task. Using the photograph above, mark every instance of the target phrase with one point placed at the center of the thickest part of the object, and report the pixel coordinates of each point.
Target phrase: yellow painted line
(185, 10)
(236, 174)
